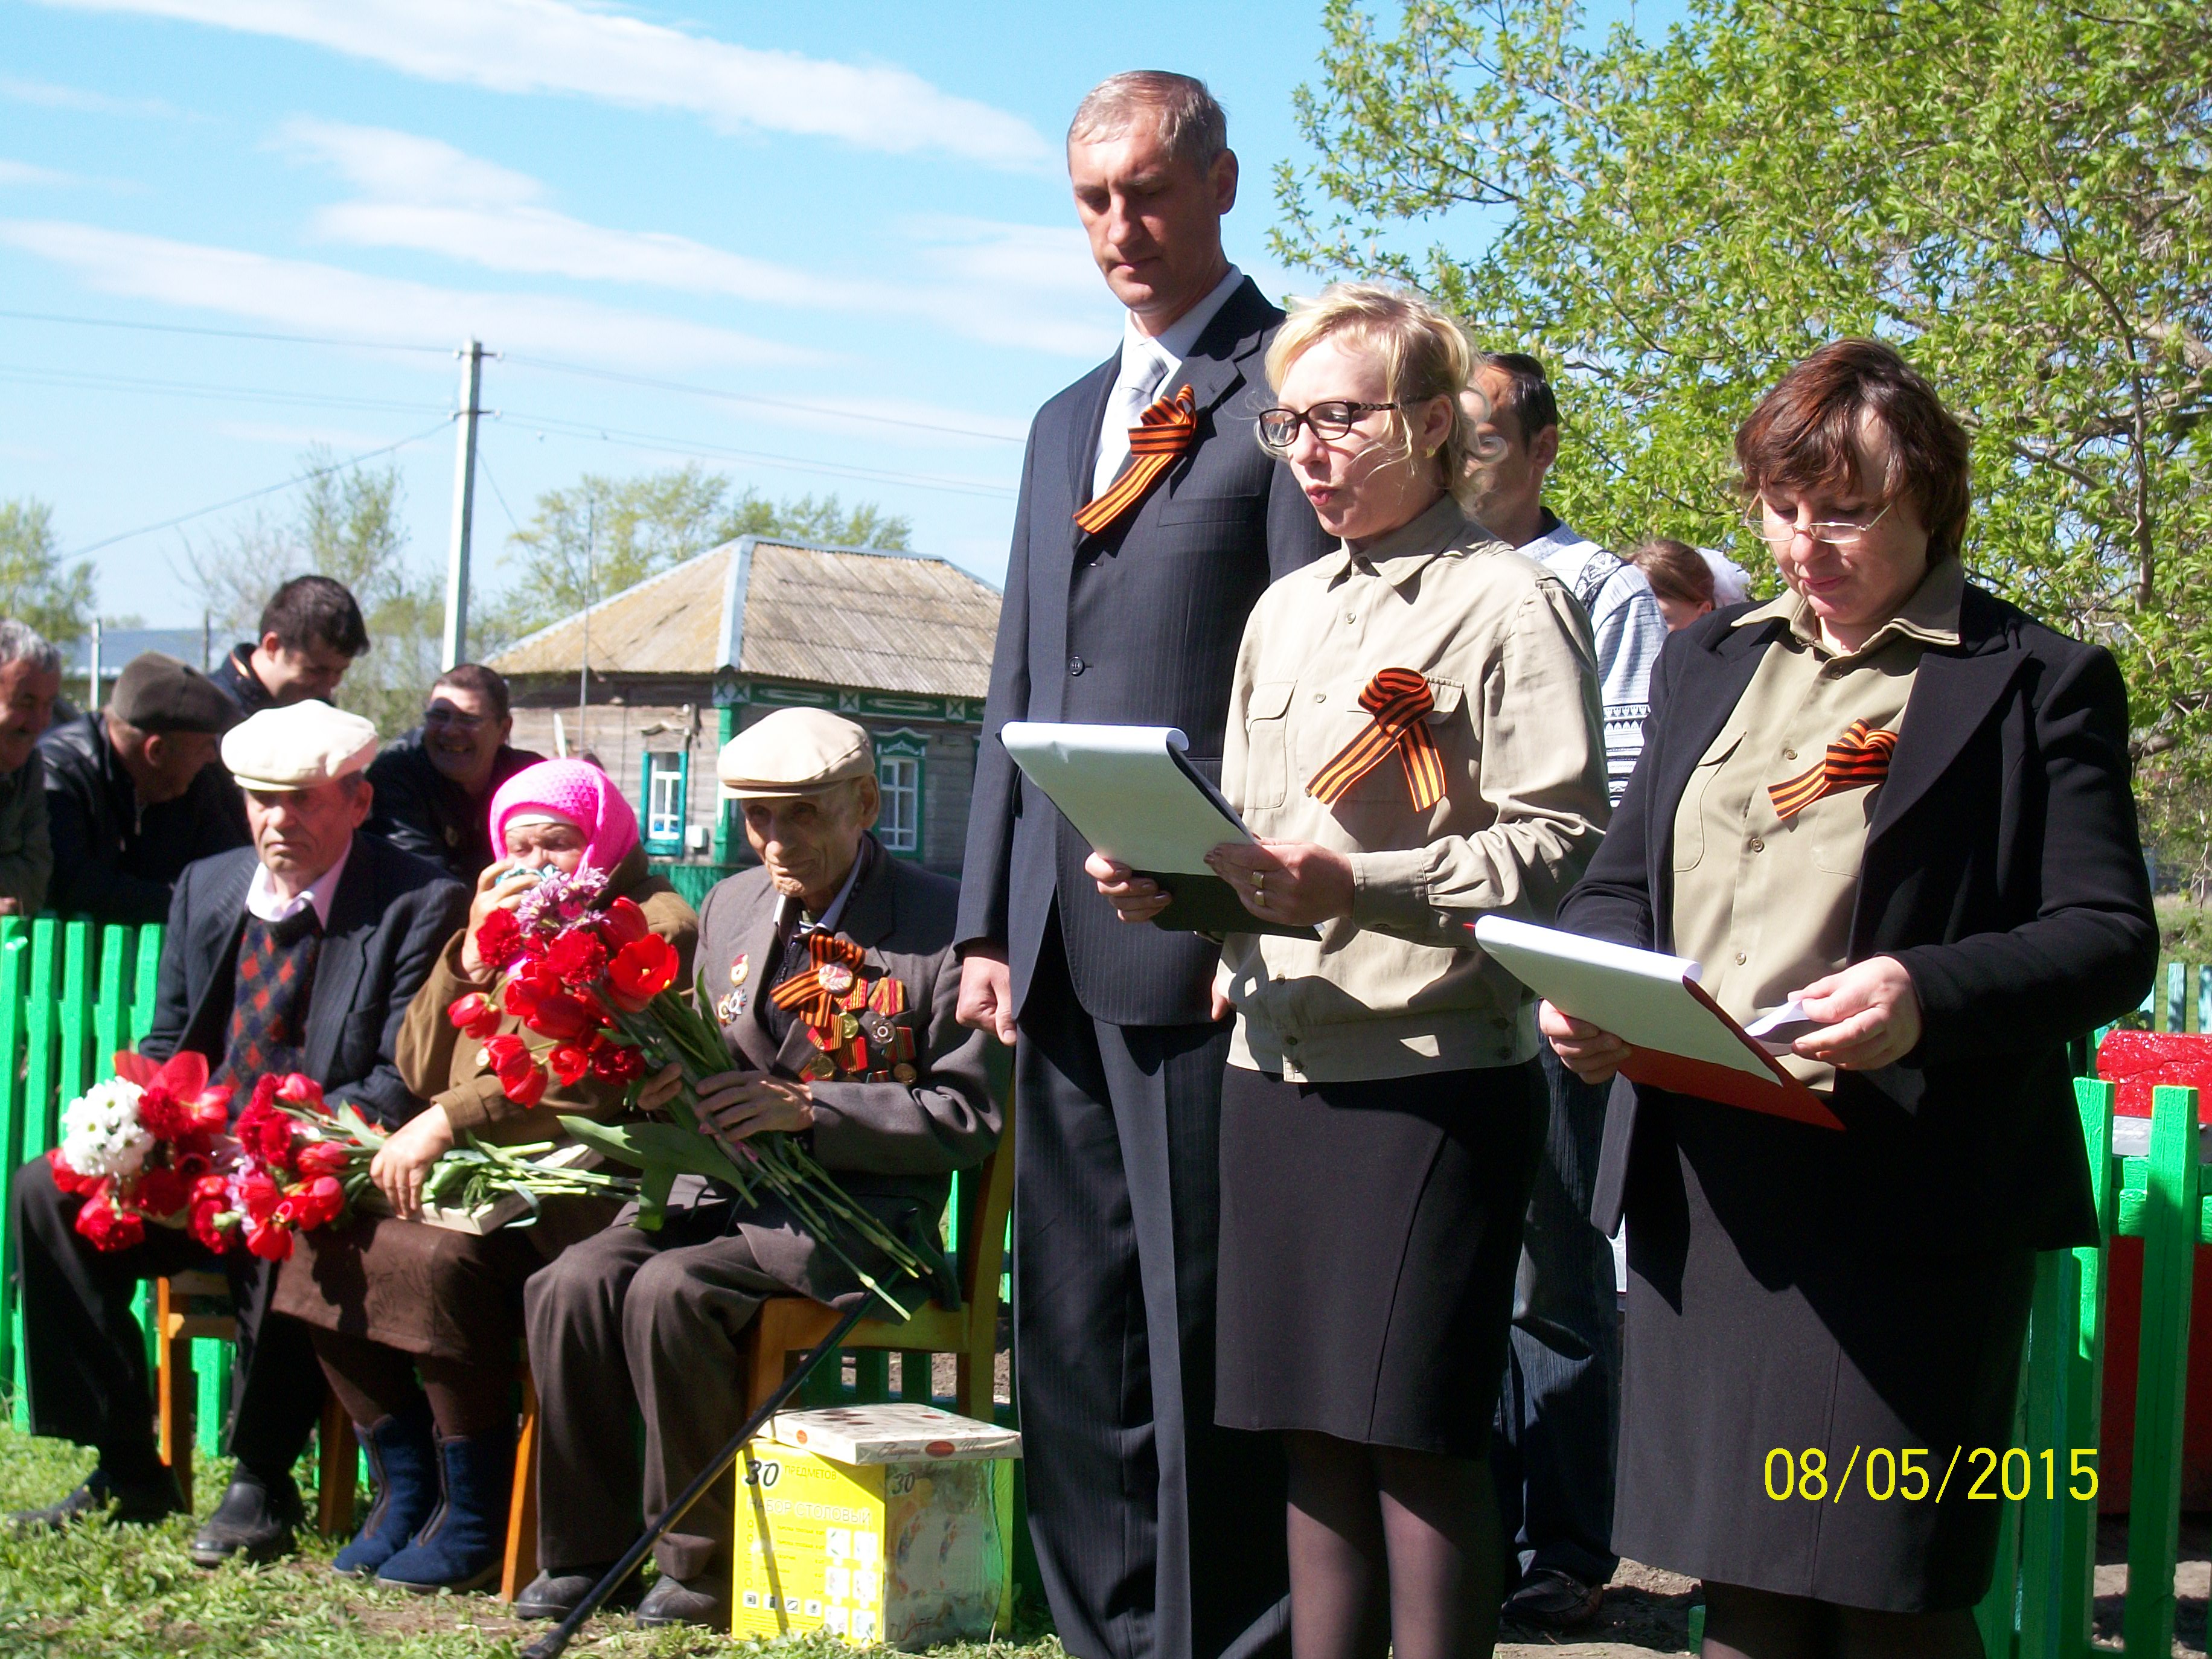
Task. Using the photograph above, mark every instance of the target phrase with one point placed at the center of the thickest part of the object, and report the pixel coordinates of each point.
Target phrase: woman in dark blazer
(1900, 799)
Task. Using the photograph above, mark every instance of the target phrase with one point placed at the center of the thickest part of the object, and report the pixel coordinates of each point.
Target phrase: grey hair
(1194, 126)
(20, 642)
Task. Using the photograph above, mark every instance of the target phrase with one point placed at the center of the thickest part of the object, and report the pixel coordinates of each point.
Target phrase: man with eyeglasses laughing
(434, 785)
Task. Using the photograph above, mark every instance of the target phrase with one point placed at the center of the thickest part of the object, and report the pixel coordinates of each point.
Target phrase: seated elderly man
(632, 1322)
(435, 784)
(300, 954)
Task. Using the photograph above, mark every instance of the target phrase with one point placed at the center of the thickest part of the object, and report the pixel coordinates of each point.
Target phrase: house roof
(830, 615)
(119, 645)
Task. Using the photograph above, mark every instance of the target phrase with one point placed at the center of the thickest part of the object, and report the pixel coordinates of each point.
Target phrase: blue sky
(859, 209)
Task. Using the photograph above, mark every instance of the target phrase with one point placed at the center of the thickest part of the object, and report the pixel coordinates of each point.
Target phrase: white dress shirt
(263, 899)
(1148, 363)
(1626, 630)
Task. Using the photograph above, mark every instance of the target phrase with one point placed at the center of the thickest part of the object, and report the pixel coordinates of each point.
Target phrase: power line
(765, 403)
(255, 495)
(33, 375)
(553, 428)
(224, 333)
(483, 460)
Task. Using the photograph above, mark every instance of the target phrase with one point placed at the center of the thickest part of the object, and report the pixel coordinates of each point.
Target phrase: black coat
(1139, 626)
(2002, 868)
(114, 861)
(419, 810)
(391, 916)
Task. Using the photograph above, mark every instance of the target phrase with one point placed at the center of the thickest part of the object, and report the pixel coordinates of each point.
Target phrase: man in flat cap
(133, 792)
(894, 1096)
(297, 954)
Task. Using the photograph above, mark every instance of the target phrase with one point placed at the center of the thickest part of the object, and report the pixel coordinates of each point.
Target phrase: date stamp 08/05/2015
(1914, 1474)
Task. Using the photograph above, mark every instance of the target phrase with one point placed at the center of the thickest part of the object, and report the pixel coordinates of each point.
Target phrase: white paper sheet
(1126, 789)
(1638, 995)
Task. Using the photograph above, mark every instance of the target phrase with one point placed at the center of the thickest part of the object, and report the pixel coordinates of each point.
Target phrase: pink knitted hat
(575, 790)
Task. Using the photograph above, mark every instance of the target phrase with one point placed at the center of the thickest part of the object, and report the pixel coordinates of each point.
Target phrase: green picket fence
(2180, 989)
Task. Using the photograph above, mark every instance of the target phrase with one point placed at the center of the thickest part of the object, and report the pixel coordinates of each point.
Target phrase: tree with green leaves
(35, 587)
(607, 534)
(2016, 193)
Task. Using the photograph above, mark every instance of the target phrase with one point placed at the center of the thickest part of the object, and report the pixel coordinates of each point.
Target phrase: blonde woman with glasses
(1892, 798)
(1413, 735)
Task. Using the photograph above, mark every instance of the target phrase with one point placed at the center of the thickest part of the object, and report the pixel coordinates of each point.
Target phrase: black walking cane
(550, 1645)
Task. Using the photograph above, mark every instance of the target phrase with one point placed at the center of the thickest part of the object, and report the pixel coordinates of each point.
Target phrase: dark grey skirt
(1369, 1234)
(1769, 1316)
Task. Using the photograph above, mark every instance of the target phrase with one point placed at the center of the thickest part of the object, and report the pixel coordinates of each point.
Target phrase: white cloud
(304, 295)
(47, 95)
(23, 173)
(1021, 286)
(556, 47)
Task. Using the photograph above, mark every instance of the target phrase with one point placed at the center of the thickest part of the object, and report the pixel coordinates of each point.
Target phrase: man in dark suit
(298, 954)
(1129, 582)
(655, 1322)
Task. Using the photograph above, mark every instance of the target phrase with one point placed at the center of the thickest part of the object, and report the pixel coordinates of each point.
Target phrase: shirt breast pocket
(1385, 785)
(1266, 744)
(1690, 814)
(1837, 825)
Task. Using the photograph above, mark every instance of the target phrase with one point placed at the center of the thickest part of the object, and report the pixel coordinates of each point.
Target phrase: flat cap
(156, 693)
(297, 746)
(795, 752)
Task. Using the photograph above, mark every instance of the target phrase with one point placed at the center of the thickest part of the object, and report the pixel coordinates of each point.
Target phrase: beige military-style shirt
(1761, 903)
(1397, 988)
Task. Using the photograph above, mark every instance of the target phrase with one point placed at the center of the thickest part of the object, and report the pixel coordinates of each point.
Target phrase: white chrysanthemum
(101, 1132)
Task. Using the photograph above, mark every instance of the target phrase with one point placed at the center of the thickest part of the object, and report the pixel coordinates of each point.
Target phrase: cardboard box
(876, 1523)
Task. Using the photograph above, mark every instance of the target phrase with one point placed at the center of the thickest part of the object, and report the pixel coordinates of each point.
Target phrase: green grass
(2184, 931)
(132, 1590)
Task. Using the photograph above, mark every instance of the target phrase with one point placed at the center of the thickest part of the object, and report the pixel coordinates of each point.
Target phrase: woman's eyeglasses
(1278, 428)
(1778, 532)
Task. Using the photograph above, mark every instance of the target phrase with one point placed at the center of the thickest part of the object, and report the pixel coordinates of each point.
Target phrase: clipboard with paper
(1131, 792)
(1678, 1037)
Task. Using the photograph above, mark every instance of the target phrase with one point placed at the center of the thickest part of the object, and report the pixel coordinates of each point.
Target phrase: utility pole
(464, 489)
(591, 585)
(91, 679)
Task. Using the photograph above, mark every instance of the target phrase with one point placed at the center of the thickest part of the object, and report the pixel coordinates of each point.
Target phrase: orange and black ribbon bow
(1857, 760)
(1398, 698)
(806, 993)
(1166, 430)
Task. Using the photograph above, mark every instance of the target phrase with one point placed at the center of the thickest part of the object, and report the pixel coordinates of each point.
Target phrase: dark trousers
(1553, 1455)
(84, 1352)
(1159, 1535)
(631, 1324)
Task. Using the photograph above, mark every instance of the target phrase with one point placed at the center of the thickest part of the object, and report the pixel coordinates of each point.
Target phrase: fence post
(13, 951)
(145, 983)
(71, 1069)
(2172, 1217)
(38, 1106)
(108, 1011)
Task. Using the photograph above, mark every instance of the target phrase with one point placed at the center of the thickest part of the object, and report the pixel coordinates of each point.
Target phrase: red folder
(1781, 1096)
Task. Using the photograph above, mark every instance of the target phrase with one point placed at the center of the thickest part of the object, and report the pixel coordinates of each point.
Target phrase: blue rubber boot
(402, 1463)
(460, 1546)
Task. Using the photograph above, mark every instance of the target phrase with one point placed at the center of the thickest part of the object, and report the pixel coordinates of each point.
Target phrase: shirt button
(1790, 754)
(1321, 696)
(1075, 664)
(1740, 958)
(1352, 615)
(1757, 845)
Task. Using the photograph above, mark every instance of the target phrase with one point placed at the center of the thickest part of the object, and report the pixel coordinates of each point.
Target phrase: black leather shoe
(1554, 1601)
(556, 1595)
(139, 1503)
(255, 1520)
(670, 1602)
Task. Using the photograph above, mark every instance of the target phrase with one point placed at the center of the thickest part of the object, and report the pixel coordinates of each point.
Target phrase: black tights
(1391, 1552)
(373, 1382)
(1754, 1623)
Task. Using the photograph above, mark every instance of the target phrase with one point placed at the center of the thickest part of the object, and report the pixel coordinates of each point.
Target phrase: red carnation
(321, 1158)
(577, 958)
(207, 1225)
(569, 1062)
(618, 1062)
(163, 1191)
(258, 1195)
(67, 1179)
(108, 1227)
(210, 1187)
(499, 940)
(562, 1017)
(265, 1132)
(474, 1014)
(641, 971)
(162, 1114)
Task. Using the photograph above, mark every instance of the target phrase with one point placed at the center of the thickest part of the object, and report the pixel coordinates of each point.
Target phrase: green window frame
(902, 759)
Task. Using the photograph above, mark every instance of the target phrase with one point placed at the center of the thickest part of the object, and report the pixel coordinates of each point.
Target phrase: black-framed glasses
(1278, 428)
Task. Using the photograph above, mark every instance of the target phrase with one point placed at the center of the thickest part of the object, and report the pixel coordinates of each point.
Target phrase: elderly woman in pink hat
(418, 1327)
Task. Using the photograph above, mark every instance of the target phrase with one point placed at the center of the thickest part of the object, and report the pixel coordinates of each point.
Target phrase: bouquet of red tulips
(597, 986)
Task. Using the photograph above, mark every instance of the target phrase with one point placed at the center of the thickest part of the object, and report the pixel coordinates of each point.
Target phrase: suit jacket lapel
(1089, 415)
(216, 935)
(339, 963)
(1953, 693)
(757, 944)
